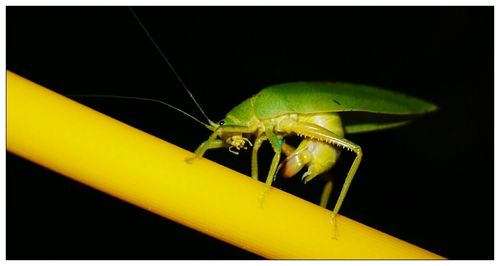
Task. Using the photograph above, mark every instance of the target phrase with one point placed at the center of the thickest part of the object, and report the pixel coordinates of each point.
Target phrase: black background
(429, 183)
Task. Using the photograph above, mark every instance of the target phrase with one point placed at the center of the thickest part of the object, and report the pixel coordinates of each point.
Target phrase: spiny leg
(350, 175)
(314, 131)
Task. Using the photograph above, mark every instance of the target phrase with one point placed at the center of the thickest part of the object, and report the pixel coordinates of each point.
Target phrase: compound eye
(221, 123)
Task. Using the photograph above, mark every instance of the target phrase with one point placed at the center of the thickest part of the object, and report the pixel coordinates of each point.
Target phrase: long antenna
(169, 65)
(140, 99)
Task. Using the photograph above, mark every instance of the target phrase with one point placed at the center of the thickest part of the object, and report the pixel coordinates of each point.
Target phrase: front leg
(211, 143)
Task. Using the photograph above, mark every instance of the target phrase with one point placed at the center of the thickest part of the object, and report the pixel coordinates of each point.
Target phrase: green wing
(363, 108)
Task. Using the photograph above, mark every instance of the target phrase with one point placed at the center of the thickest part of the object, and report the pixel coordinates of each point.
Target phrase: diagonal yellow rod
(99, 151)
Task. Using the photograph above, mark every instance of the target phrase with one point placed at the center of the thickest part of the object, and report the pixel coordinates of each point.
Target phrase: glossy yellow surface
(85, 145)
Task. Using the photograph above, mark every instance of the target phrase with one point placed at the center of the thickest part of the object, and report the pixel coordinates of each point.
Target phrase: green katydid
(311, 110)
(319, 112)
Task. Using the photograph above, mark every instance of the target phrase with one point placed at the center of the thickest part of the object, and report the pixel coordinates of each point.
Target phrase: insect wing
(363, 108)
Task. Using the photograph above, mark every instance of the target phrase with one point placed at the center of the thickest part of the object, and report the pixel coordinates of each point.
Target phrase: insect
(312, 111)
(321, 113)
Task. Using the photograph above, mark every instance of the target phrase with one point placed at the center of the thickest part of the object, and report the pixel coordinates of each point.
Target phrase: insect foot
(263, 196)
(334, 226)
(190, 160)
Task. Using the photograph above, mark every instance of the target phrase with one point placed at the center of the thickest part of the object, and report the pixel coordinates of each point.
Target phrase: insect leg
(214, 143)
(327, 190)
(255, 150)
(276, 143)
(314, 131)
(211, 143)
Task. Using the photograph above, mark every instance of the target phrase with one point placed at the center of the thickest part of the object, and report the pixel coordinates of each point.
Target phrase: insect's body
(315, 151)
(309, 110)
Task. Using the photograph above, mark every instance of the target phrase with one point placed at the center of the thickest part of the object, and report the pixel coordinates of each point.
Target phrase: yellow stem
(94, 149)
